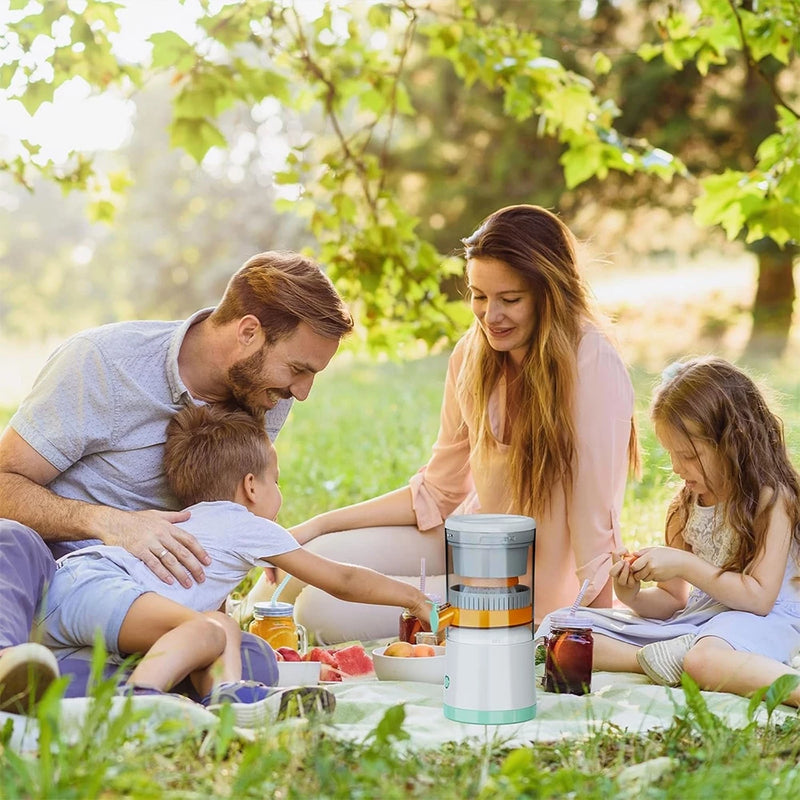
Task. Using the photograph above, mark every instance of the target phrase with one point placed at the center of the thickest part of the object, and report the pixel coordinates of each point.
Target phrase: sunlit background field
(368, 425)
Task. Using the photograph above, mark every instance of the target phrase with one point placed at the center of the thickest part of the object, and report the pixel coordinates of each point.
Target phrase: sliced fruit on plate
(329, 669)
(354, 662)
(287, 654)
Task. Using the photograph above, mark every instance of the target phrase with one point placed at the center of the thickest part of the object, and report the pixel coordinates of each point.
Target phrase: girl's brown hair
(282, 289)
(538, 245)
(711, 400)
(210, 449)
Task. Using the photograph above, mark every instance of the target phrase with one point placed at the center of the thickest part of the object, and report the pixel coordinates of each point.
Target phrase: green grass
(364, 430)
(113, 755)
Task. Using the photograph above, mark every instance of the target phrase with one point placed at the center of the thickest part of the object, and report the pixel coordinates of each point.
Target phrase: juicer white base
(490, 677)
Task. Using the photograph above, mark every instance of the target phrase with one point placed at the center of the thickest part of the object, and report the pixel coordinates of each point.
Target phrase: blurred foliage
(409, 118)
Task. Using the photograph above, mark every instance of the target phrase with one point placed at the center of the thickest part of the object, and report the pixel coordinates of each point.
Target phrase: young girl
(726, 602)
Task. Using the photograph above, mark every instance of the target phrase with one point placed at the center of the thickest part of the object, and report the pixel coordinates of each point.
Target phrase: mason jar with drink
(568, 658)
(274, 622)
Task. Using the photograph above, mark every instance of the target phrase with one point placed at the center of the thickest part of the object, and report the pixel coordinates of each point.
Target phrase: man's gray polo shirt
(98, 412)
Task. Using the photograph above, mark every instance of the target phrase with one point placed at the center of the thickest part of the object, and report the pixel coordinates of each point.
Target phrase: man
(81, 460)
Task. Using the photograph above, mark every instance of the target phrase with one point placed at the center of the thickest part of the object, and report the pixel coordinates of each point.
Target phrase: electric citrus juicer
(489, 659)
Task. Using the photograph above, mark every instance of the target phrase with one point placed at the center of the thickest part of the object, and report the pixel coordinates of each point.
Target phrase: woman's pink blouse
(574, 539)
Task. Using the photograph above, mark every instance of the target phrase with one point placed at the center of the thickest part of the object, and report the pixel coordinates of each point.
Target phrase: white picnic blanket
(626, 701)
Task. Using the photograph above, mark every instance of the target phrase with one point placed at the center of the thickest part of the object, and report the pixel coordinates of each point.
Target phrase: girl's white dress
(776, 635)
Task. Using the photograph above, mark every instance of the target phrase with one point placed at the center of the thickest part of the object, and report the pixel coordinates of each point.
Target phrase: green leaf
(103, 13)
(705, 721)
(196, 101)
(7, 73)
(196, 136)
(647, 51)
(582, 162)
(779, 691)
(518, 762)
(601, 63)
(101, 211)
(171, 50)
(379, 16)
(35, 94)
(390, 727)
(755, 702)
(119, 181)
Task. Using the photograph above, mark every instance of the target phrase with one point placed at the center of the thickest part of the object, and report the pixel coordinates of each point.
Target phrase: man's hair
(210, 449)
(283, 289)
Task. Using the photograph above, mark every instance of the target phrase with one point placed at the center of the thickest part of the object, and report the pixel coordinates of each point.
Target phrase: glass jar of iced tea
(568, 659)
(409, 626)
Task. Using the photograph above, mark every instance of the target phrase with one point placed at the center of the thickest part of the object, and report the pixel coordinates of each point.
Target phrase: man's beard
(244, 380)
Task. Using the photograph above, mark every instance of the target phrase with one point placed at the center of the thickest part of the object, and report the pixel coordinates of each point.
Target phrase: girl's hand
(659, 564)
(626, 583)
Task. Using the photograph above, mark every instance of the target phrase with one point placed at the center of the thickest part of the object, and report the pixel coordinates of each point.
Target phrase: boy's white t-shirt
(235, 539)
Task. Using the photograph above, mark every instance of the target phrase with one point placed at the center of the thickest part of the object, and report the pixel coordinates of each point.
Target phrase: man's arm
(24, 475)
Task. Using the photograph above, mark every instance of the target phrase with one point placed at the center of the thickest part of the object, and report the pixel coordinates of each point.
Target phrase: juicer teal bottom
(489, 677)
(490, 717)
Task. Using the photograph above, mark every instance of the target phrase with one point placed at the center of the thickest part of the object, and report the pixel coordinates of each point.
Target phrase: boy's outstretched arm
(353, 583)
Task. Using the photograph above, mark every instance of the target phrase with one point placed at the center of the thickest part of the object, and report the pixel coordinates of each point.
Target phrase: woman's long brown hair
(535, 243)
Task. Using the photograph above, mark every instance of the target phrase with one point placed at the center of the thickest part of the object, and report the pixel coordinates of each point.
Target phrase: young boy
(222, 465)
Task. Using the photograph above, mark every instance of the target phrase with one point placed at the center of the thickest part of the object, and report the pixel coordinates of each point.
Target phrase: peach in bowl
(401, 661)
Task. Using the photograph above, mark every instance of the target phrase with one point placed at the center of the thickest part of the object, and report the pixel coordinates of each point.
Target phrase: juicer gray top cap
(489, 545)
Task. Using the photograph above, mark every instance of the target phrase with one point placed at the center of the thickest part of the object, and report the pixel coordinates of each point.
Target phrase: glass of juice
(275, 624)
(568, 658)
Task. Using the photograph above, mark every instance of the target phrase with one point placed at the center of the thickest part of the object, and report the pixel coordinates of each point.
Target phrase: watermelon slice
(353, 662)
(329, 669)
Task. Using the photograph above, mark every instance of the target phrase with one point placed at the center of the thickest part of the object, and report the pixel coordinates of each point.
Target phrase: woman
(537, 419)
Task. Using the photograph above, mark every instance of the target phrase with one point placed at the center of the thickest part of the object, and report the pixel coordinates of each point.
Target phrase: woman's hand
(626, 583)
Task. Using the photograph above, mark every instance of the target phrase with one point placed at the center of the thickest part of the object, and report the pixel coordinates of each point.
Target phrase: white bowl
(298, 673)
(429, 669)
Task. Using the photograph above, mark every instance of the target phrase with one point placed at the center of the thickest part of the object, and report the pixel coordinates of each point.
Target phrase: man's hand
(165, 548)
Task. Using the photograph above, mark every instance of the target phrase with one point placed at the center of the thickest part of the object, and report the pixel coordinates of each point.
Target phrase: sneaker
(662, 662)
(26, 670)
(255, 704)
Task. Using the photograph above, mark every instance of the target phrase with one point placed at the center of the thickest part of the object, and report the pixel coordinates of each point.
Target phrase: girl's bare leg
(715, 666)
(614, 656)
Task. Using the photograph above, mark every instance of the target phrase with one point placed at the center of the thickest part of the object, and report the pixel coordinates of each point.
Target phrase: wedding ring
(162, 554)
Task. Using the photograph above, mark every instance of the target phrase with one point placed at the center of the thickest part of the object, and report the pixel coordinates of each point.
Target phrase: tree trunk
(774, 301)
